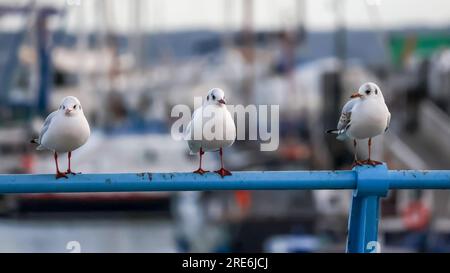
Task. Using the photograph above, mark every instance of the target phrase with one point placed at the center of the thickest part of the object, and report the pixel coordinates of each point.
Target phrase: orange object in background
(243, 199)
(416, 216)
(27, 163)
(295, 151)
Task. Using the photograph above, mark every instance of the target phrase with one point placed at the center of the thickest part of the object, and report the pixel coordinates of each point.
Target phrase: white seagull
(64, 131)
(364, 116)
(211, 129)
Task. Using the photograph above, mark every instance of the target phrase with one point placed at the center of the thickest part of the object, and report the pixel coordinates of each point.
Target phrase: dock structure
(368, 183)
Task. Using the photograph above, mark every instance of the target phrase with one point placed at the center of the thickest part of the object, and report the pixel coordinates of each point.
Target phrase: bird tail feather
(39, 147)
(342, 137)
(340, 133)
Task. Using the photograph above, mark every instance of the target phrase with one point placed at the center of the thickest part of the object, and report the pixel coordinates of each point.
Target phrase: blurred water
(94, 234)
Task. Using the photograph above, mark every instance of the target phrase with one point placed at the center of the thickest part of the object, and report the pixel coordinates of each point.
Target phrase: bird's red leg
(356, 162)
(69, 171)
(370, 161)
(200, 170)
(58, 173)
(222, 171)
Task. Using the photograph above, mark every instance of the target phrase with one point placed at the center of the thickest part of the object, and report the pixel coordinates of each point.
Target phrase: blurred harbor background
(130, 62)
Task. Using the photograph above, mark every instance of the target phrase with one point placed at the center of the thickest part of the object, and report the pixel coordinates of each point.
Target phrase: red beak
(355, 95)
(222, 101)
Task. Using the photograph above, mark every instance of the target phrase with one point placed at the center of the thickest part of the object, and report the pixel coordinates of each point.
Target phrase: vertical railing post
(372, 183)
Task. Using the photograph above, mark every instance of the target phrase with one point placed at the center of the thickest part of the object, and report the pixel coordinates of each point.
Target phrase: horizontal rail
(130, 182)
(419, 179)
(263, 180)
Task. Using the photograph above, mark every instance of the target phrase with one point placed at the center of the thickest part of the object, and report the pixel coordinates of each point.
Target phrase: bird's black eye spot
(64, 107)
(213, 97)
(207, 97)
(367, 92)
(74, 107)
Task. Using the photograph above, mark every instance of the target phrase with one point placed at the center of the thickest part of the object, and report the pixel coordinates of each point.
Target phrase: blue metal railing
(368, 183)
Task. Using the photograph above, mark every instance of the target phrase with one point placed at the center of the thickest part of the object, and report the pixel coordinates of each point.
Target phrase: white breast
(368, 119)
(66, 134)
(223, 131)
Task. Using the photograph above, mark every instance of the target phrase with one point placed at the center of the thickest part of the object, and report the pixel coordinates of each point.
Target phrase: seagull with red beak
(363, 117)
(211, 129)
(64, 131)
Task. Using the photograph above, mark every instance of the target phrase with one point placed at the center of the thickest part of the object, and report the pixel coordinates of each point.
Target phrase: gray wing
(388, 122)
(47, 122)
(346, 116)
(187, 131)
(194, 145)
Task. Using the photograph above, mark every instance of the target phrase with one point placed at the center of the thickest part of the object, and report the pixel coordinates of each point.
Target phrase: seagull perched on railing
(202, 138)
(364, 116)
(64, 131)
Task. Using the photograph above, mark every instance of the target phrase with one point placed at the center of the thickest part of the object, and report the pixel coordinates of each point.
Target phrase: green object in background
(422, 45)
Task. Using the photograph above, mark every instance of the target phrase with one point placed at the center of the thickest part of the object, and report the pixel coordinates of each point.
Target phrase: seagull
(64, 131)
(213, 111)
(364, 116)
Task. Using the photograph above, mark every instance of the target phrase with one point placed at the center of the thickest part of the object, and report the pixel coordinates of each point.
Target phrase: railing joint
(371, 180)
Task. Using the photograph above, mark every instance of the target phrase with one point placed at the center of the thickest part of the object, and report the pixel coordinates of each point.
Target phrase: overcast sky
(163, 15)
